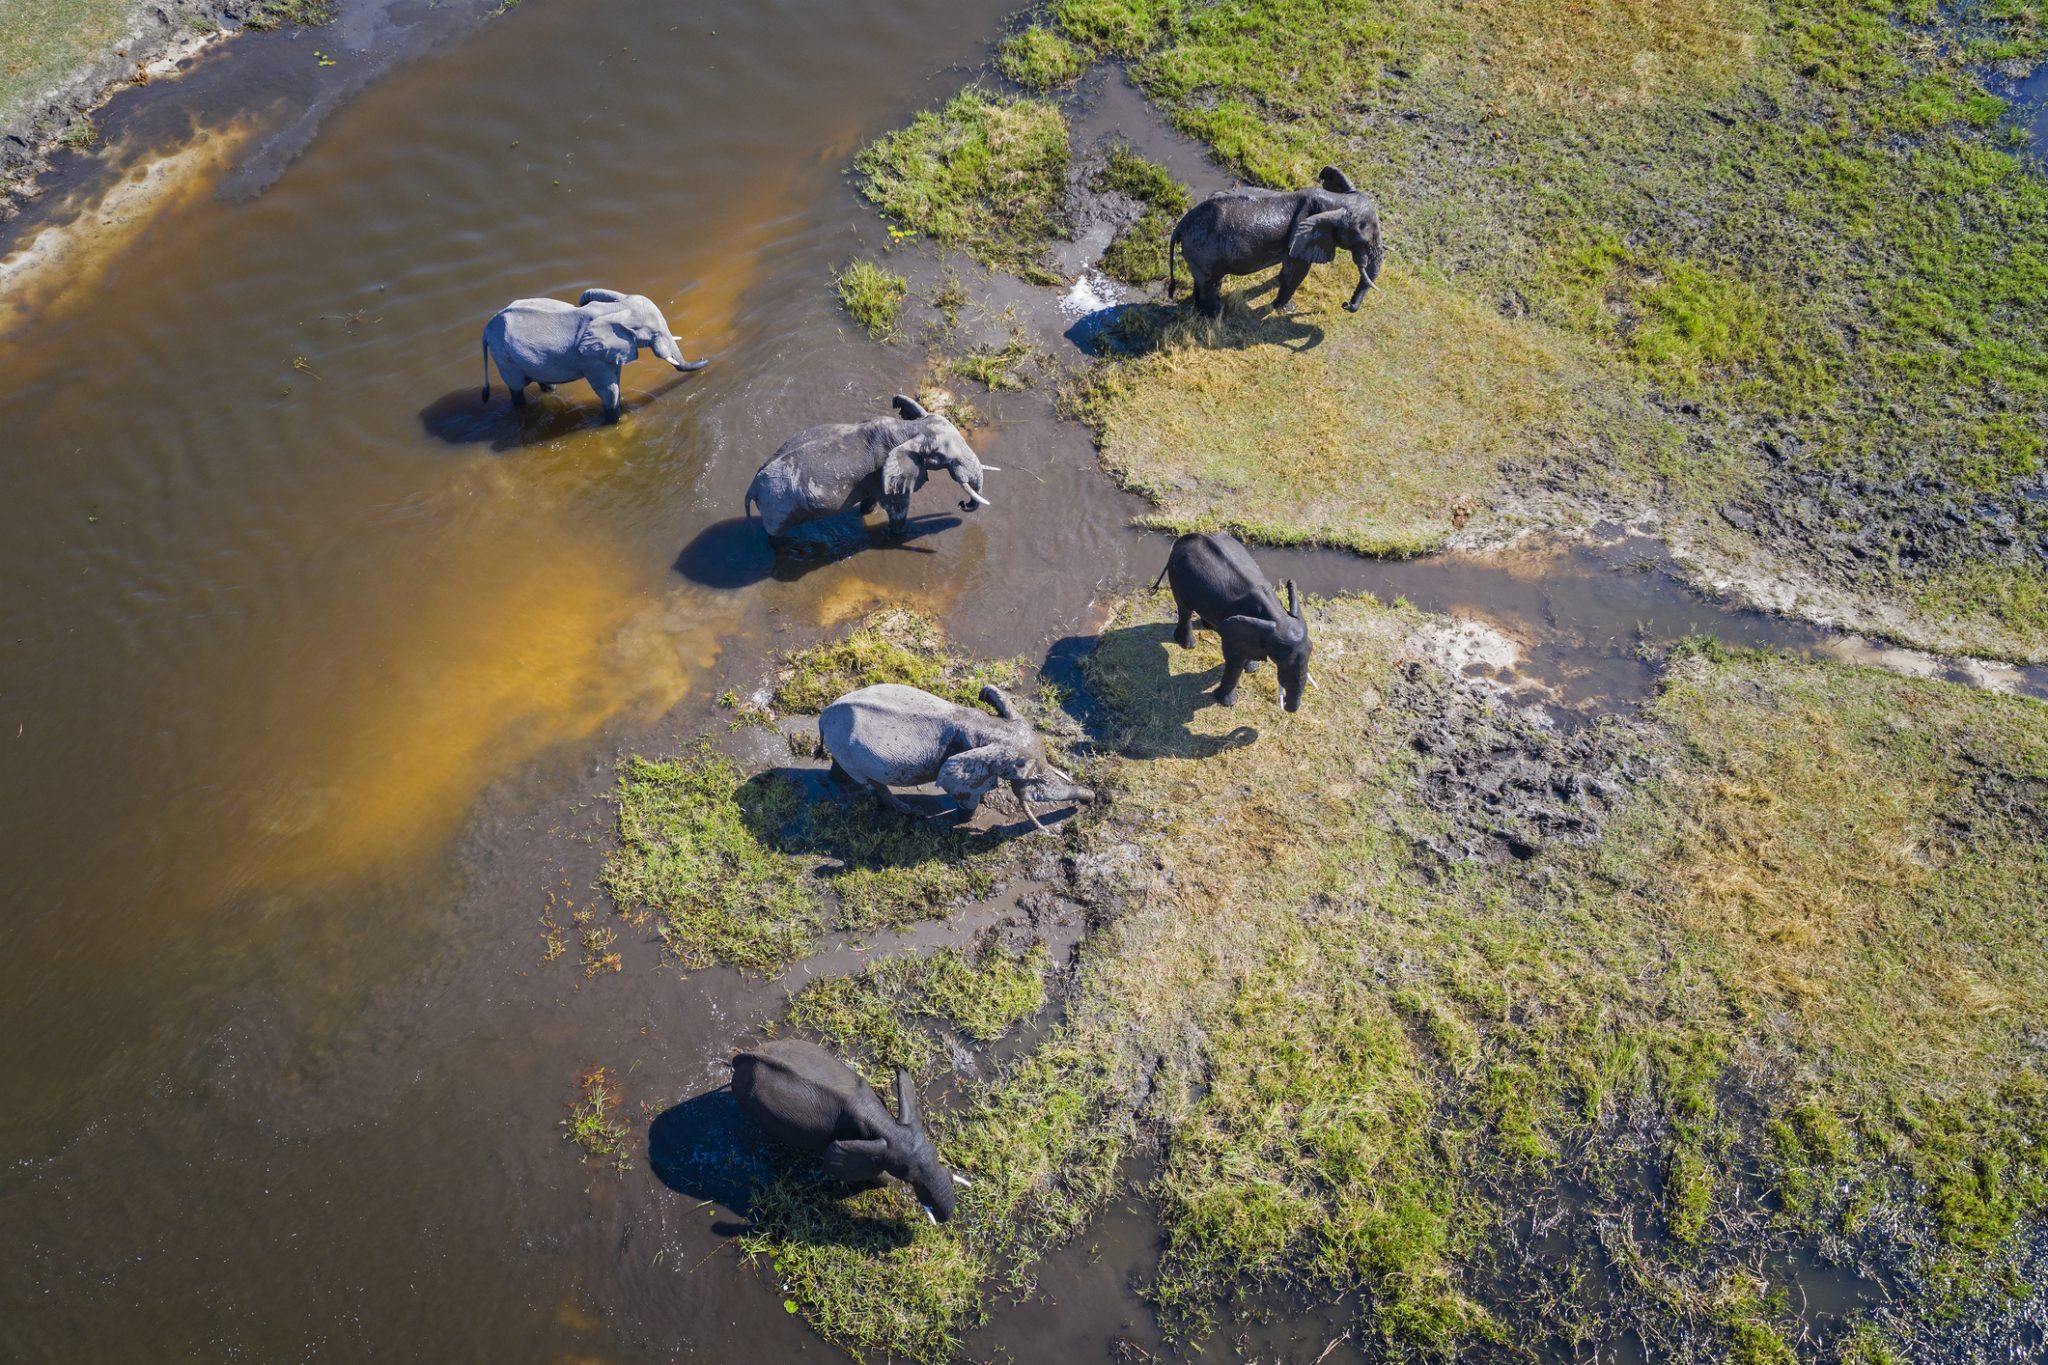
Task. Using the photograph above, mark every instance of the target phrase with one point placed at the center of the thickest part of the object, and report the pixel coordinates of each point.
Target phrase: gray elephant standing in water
(547, 342)
(806, 1099)
(1243, 231)
(825, 470)
(889, 735)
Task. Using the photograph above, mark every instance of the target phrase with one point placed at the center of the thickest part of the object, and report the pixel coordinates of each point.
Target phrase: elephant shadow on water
(1135, 329)
(736, 553)
(1168, 701)
(707, 1149)
(460, 419)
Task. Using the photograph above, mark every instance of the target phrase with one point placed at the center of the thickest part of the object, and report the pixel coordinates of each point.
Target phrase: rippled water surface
(313, 664)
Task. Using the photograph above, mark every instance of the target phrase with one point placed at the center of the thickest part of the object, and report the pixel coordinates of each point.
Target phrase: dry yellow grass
(1381, 431)
(1612, 52)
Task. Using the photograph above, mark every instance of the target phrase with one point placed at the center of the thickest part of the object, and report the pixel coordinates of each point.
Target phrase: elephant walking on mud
(808, 1100)
(1244, 231)
(889, 735)
(548, 342)
(825, 470)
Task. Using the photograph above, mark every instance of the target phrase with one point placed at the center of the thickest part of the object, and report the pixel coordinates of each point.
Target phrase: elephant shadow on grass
(1128, 672)
(1136, 329)
(708, 1150)
(804, 812)
(736, 553)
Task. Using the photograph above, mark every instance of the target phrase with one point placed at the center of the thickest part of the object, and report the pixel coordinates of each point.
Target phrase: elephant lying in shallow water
(889, 735)
(547, 342)
(1243, 231)
(809, 1100)
(825, 470)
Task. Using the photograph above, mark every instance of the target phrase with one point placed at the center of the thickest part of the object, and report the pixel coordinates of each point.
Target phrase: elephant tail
(487, 370)
(1171, 243)
(1162, 575)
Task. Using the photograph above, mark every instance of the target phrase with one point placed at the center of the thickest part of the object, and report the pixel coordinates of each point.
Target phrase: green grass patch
(1811, 933)
(750, 869)
(872, 297)
(893, 1013)
(986, 174)
(1382, 436)
(1038, 58)
(1137, 255)
(892, 646)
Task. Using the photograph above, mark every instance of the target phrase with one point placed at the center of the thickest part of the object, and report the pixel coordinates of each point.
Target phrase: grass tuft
(1138, 253)
(985, 174)
(592, 1123)
(893, 646)
(1038, 58)
(873, 297)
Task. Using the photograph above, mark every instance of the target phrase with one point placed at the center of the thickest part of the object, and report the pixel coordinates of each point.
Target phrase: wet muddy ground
(316, 670)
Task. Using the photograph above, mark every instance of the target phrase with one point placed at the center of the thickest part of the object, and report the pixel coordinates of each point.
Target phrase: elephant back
(800, 1094)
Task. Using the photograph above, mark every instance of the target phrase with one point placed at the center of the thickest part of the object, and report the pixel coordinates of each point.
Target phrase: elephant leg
(1209, 296)
(516, 381)
(1226, 690)
(889, 798)
(867, 505)
(547, 388)
(1184, 633)
(609, 394)
(1291, 276)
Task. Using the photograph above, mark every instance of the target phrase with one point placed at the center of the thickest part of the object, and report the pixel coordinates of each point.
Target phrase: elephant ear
(1335, 181)
(591, 296)
(853, 1160)
(902, 472)
(604, 339)
(1253, 635)
(908, 408)
(1313, 238)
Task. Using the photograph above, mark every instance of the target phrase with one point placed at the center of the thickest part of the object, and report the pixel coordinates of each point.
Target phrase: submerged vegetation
(1804, 946)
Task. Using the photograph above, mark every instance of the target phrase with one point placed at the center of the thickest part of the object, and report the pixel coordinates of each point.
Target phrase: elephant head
(619, 325)
(1285, 642)
(1340, 216)
(934, 444)
(971, 775)
(907, 1153)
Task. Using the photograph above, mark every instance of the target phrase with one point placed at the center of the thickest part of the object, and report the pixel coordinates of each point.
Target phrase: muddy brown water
(314, 669)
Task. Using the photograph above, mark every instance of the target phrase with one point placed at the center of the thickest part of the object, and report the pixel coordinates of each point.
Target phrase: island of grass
(1772, 988)
(1793, 251)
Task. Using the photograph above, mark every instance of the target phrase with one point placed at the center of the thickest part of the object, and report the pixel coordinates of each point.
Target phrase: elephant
(546, 342)
(889, 735)
(1242, 231)
(808, 1100)
(825, 470)
(1214, 577)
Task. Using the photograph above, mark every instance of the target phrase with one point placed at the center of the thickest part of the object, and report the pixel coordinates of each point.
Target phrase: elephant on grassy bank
(1244, 231)
(548, 342)
(889, 736)
(825, 470)
(1215, 578)
(808, 1100)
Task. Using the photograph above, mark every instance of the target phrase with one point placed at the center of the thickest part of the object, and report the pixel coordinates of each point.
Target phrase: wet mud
(317, 671)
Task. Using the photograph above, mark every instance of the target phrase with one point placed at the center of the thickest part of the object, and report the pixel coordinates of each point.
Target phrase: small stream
(316, 670)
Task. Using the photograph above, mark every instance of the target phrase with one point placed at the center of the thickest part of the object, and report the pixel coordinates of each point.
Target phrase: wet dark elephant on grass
(1244, 231)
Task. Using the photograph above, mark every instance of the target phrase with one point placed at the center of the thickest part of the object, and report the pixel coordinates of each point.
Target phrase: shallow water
(314, 665)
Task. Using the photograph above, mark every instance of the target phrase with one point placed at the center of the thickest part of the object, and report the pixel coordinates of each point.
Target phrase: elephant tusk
(991, 469)
(1312, 681)
(962, 1181)
(929, 1214)
(977, 499)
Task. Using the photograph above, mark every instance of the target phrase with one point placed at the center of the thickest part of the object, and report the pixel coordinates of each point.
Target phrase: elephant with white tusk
(1244, 231)
(889, 736)
(826, 470)
(810, 1101)
(547, 342)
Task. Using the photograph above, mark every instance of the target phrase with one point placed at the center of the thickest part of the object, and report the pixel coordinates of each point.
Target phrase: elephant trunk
(1368, 274)
(971, 481)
